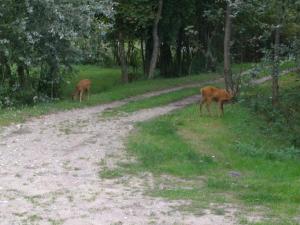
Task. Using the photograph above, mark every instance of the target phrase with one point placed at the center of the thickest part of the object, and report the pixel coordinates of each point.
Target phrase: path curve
(50, 172)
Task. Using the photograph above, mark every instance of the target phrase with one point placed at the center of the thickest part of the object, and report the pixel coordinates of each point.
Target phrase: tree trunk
(115, 50)
(122, 57)
(148, 54)
(186, 58)
(178, 66)
(155, 41)
(21, 75)
(5, 70)
(190, 62)
(130, 52)
(53, 76)
(275, 74)
(165, 60)
(143, 55)
(227, 63)
(2, 69)
(281, 12)
(210, 64)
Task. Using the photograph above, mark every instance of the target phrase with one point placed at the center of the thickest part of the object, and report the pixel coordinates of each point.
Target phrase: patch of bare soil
(49, 172)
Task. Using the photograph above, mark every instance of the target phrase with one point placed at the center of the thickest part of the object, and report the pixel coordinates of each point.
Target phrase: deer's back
(214, 93)
(83, 84)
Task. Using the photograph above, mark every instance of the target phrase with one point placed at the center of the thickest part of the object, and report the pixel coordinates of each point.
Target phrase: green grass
(110, 173)
(152, 101)
(237, 68)
(185, 145)
(109, 91)
(102, 79)
(159, 148)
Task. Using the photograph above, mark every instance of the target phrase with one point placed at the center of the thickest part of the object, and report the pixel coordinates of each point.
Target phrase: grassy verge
(229, 160)
(116, 92)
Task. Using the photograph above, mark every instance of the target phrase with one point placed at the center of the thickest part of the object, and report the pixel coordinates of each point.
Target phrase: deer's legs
(80, 96)
(208, 105)
(201, 104)
(221, 108)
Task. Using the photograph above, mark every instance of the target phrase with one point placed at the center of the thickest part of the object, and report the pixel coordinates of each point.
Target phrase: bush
(25, 97)
(12, 97)
(284, 119)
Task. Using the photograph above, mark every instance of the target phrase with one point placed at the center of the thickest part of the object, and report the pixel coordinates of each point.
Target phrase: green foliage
(283, 120)
(41, 35)
(134, 15)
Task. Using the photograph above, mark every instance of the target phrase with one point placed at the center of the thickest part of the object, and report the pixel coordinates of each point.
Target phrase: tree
(133, 18)
(227, 45)
(155, 41)
(280, 30)
(275, 73)
(122, 57)
(43, 34)
(280, 11)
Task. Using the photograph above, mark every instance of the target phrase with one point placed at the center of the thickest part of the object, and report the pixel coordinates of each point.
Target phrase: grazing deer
(218, 95)
(82, 87)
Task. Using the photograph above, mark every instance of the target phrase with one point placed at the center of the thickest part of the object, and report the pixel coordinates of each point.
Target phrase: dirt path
(269, 77)
(49, 172)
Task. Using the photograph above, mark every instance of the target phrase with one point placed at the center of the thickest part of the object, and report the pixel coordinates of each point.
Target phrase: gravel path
(49, 172)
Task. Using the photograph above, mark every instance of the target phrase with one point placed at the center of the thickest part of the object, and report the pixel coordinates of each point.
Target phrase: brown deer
(82, 87)
(215, 94)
